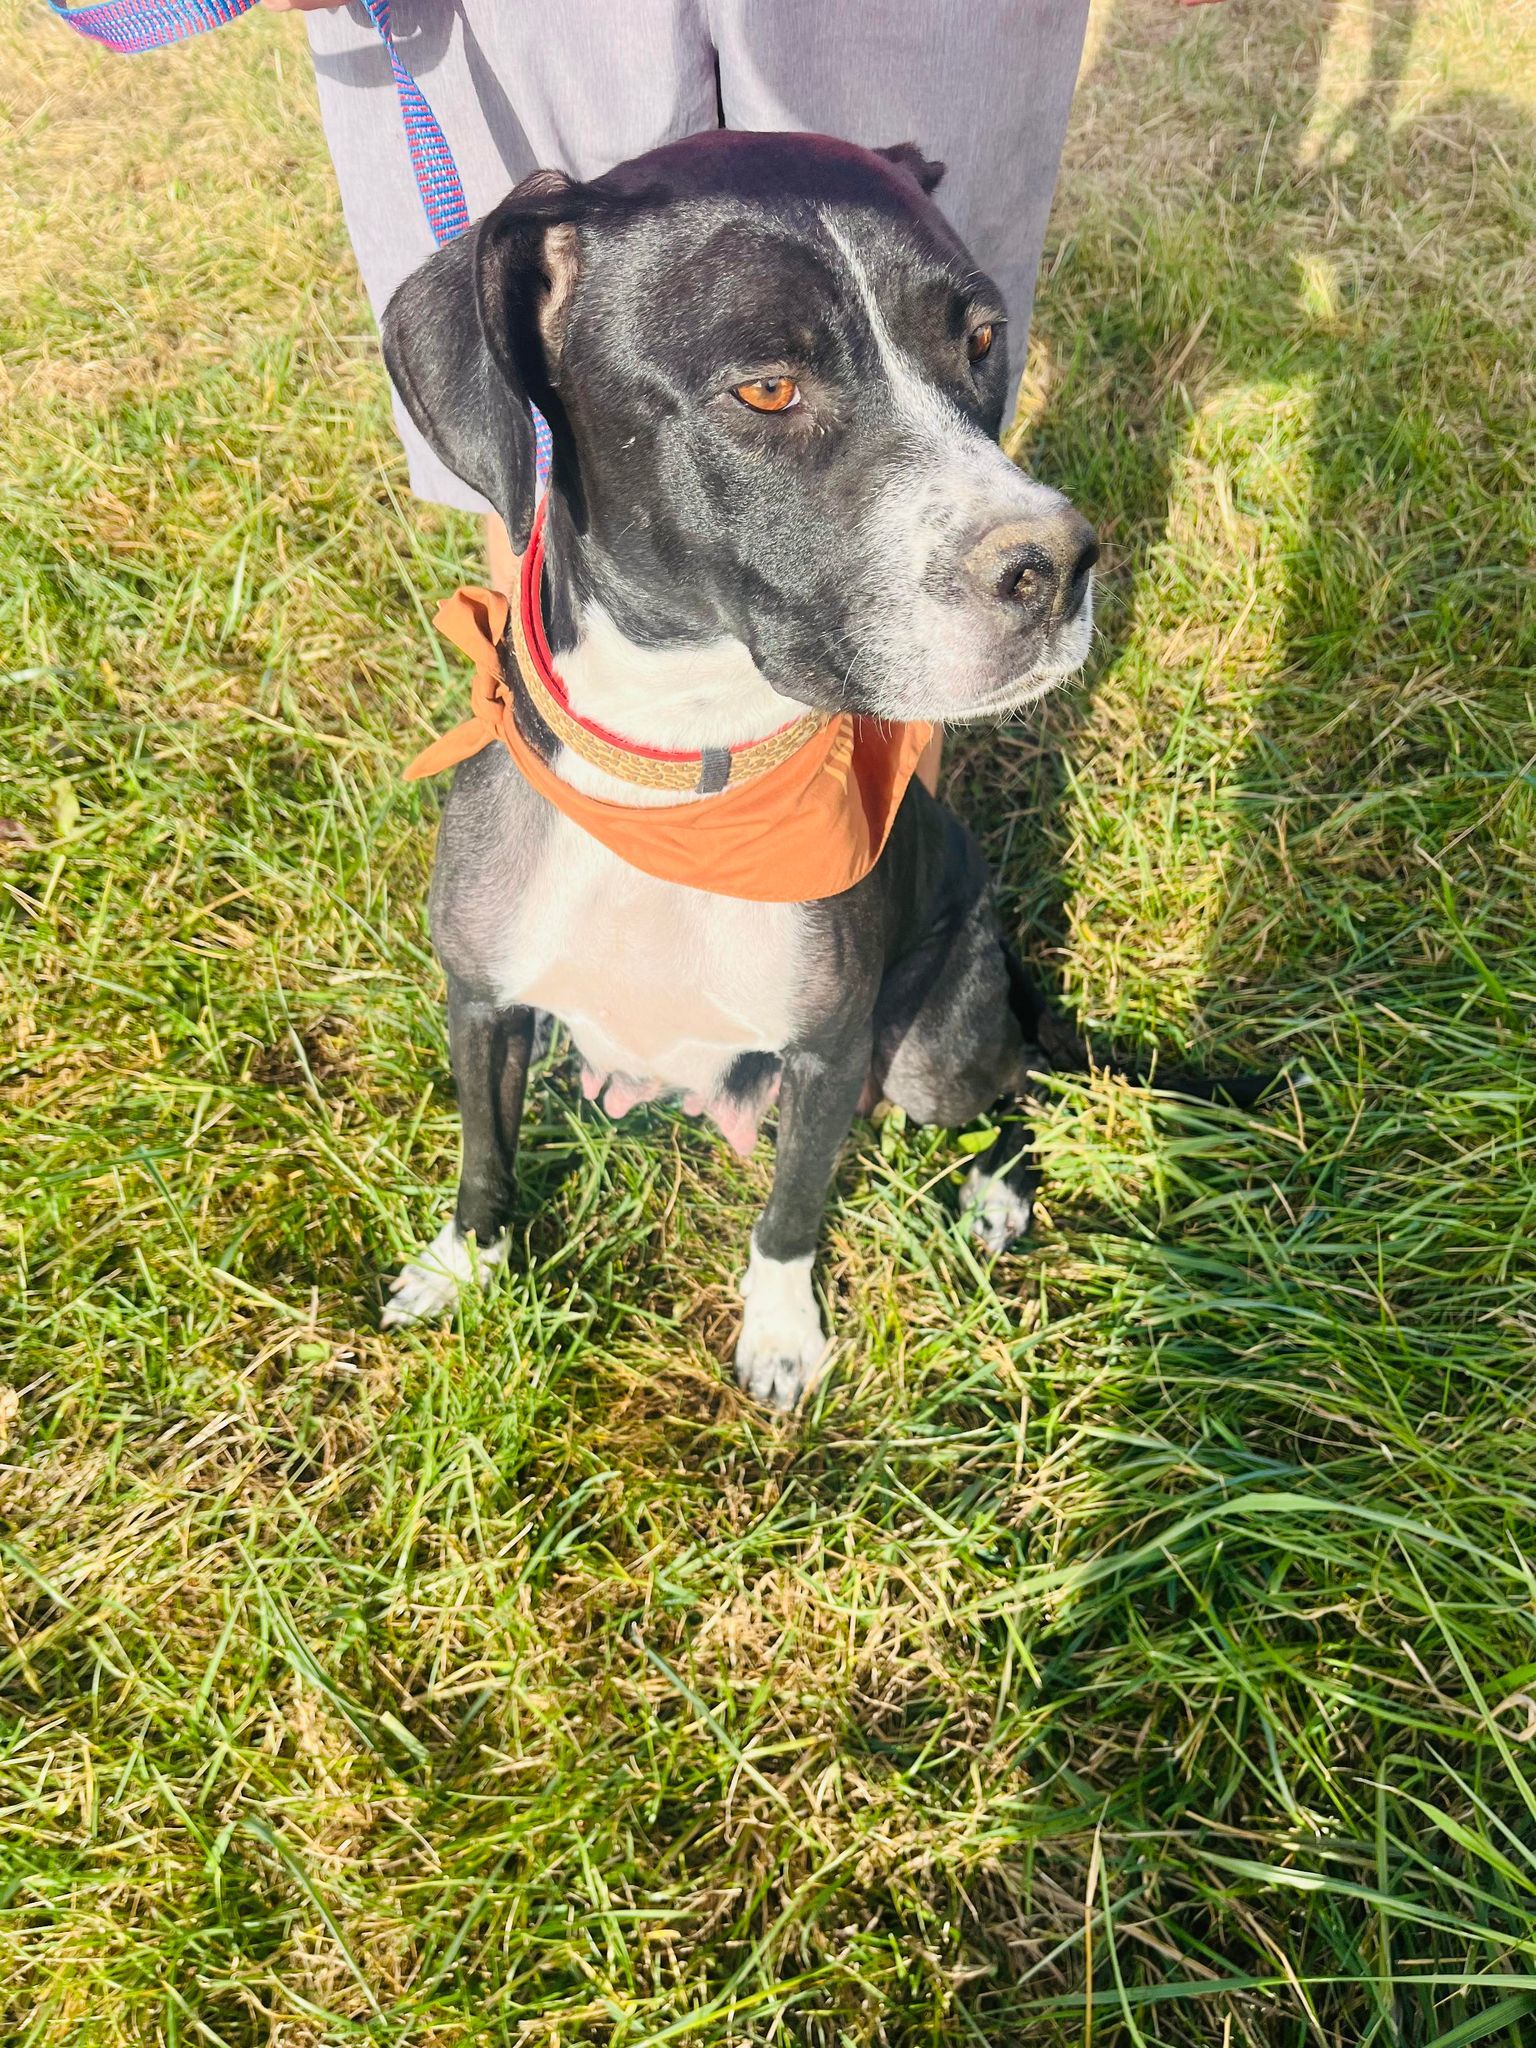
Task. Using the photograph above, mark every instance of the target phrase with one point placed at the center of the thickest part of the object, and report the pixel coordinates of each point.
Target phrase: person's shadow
(1254, 322)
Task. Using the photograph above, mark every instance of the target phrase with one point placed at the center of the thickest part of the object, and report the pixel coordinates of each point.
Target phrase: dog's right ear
(466, 341)
(925, 171)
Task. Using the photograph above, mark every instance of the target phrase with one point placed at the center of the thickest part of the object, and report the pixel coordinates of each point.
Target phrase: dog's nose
(1038, 566)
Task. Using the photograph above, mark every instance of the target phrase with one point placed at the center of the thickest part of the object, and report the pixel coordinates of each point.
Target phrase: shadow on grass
(1336, 622)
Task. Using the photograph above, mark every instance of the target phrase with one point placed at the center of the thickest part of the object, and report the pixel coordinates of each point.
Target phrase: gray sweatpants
(579, 85)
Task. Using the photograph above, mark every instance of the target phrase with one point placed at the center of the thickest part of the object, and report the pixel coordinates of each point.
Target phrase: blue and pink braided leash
(133, 26)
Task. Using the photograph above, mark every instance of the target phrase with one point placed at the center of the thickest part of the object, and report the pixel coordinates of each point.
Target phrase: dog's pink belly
(646, 1044)
(661, 988)
(736, 1119)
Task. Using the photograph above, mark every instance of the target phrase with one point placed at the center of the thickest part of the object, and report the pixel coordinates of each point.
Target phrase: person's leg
(987, 90)
(571, 85)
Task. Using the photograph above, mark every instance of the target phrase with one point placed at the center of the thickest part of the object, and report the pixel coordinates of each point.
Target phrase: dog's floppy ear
(466, 340)
(906, 156)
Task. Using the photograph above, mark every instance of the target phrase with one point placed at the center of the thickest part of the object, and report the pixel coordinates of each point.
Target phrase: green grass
(1135, 1645)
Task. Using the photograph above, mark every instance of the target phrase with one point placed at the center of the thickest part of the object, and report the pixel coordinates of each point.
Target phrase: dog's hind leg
(783, 1346)
(967, 1049)
(998, 1201)
(490, 1048)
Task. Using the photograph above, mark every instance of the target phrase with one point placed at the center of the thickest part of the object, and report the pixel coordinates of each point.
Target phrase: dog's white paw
(430, 1284)
(782, 1347)
(995, 1212)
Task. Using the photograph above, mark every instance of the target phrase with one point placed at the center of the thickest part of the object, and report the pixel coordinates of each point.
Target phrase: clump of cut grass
(1136, 1641)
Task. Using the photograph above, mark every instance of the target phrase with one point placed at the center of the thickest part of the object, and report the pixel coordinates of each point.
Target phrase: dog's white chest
(657, 983)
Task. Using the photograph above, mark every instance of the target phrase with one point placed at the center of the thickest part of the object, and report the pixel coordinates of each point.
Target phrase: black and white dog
(774, 378)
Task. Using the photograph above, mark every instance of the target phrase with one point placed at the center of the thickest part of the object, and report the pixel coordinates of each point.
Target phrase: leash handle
(133, 26)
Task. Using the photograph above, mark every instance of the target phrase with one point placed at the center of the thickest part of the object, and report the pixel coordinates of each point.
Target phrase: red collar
(707, 771)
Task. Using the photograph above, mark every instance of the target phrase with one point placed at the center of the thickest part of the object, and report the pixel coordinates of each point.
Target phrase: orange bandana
(808, 828)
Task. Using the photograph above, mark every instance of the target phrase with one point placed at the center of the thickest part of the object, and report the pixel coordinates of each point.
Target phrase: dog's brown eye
(769, 394)
(980, 342)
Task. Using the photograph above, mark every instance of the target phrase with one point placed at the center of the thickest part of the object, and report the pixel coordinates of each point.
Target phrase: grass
(1136, 1643)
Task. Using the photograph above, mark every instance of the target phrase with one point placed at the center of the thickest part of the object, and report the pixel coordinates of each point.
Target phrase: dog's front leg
(782, 1345)
(490, 1048)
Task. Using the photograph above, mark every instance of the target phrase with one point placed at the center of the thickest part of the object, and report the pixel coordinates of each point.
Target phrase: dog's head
(774, 377)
